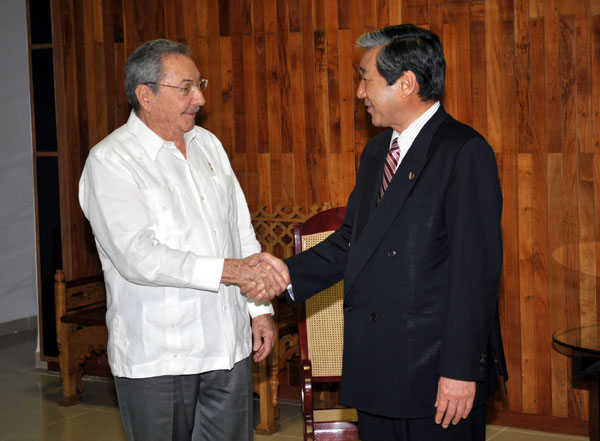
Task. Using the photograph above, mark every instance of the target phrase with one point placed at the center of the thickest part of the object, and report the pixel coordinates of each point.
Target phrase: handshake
(261, 276)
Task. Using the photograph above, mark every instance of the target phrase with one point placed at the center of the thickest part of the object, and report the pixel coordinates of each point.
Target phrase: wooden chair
(321, 333)
(80, 329)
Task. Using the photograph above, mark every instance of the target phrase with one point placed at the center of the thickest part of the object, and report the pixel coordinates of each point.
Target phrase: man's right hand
(253, 289)
(261, 276)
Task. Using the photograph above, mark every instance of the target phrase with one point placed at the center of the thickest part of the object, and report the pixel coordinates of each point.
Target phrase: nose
(360, 90)
(198, 97)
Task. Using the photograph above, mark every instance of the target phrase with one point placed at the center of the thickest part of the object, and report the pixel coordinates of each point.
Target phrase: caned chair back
(321, 335)
(324, 321)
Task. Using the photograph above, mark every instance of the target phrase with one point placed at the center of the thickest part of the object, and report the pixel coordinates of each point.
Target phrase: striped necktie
(391, 163)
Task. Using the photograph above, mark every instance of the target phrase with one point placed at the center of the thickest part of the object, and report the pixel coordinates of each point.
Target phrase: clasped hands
(261, 276)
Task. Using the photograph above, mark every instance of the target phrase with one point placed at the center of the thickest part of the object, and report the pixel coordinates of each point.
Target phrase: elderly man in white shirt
(174, 236)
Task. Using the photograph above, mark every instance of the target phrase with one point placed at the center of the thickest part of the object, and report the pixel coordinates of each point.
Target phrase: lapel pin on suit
(411, 176)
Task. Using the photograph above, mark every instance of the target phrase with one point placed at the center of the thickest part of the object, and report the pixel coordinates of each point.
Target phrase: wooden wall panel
(540, 221)
(557, 285)
(526, 291)
(281, 97)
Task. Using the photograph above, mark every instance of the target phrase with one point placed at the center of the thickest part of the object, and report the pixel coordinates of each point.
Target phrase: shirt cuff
(207, 273)
(291, 292)
(259, 308)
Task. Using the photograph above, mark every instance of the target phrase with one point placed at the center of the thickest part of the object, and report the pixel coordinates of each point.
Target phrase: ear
(144, 95)
(408, 84)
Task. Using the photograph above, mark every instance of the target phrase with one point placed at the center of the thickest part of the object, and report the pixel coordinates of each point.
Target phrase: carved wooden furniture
(321, 333)
(80, 329)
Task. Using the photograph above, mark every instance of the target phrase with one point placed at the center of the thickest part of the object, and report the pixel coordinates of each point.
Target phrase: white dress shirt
(408, 135)
(163, 226)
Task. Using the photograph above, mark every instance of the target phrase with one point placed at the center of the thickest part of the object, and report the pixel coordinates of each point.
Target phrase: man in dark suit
(420, 252)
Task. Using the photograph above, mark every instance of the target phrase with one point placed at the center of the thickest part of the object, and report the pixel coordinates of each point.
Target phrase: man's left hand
(263, 334)
(454, 400)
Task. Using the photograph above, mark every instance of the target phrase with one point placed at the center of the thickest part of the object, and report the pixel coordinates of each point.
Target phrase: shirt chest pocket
(224, 189)
(162, 204)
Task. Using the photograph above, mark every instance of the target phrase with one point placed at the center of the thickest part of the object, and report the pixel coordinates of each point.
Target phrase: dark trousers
(378, 428)
(212, 406)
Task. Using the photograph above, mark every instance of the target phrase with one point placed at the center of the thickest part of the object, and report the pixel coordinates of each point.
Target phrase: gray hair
(144, 66)
(407, 47)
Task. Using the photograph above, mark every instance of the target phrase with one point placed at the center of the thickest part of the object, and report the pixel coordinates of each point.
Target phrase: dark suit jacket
(421, 272)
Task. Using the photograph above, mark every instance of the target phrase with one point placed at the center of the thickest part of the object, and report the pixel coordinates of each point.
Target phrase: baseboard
(39, 363)
(538, 422)
(19, 325)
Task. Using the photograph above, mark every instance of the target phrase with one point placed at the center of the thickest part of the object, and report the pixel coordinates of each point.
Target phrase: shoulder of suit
(453, 137)
(452, 124)
(457, 132)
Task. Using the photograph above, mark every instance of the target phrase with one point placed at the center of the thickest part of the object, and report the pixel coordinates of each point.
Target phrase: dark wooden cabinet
(64, 239)
(45, 164)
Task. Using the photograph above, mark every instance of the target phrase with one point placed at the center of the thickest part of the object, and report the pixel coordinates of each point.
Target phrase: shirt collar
(409, 134)
(149, 140)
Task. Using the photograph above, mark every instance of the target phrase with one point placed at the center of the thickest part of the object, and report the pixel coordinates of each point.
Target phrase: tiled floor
(28, 409)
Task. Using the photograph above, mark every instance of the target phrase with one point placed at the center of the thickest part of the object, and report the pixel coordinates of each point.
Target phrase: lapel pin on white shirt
(411, 176)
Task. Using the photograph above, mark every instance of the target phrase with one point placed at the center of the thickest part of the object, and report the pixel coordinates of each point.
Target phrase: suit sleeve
(324, 264)
(473, 206)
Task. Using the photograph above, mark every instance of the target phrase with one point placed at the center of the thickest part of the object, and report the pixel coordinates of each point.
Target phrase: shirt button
(201, 198)
(174, 355)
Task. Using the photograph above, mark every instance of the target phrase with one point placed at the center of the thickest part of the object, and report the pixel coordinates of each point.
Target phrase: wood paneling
(283, 75)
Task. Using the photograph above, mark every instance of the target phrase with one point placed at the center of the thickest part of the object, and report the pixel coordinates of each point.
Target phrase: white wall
(18, 298)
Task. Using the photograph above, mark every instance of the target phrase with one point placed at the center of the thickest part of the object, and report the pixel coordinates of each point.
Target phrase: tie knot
(395, 145)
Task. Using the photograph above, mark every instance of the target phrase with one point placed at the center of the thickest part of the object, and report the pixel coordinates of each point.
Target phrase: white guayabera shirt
(163, 227)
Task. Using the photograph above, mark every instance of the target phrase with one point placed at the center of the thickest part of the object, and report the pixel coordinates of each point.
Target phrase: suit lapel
(370, 190)
(373, 223)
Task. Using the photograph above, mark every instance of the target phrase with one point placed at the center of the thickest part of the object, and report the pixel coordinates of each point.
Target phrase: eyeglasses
(201, 84)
